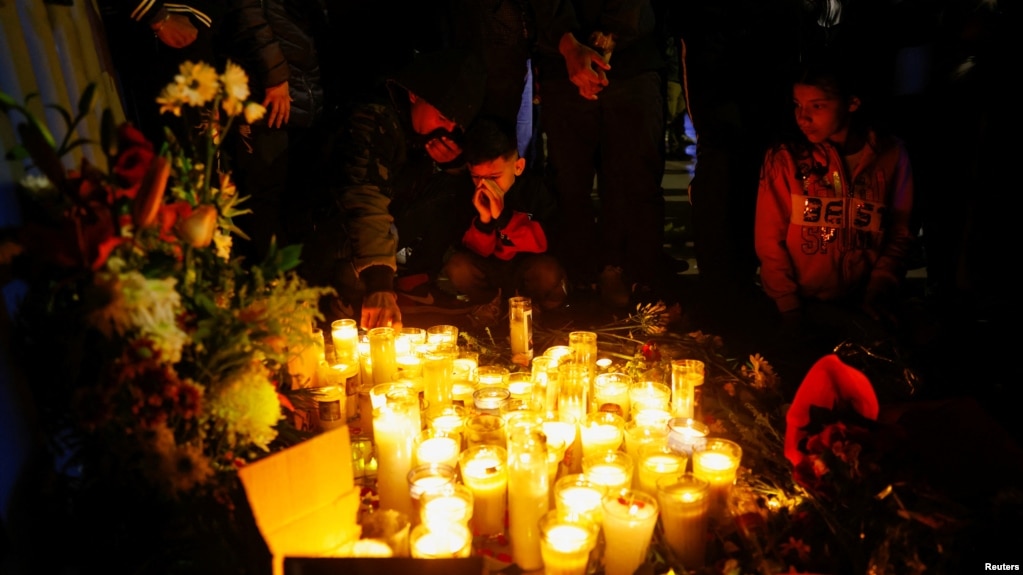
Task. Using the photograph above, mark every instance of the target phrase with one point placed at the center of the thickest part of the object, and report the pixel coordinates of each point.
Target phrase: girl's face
(822, 115)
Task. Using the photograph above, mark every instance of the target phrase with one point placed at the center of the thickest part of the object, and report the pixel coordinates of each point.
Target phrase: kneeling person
(504, 247)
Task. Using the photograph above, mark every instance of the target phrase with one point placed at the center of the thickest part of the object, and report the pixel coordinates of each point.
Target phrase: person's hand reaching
(278, 105)
(380, 309)
(175, 30)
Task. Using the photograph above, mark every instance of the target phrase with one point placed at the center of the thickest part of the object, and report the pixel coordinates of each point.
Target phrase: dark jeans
(619, 138)
(537, 276)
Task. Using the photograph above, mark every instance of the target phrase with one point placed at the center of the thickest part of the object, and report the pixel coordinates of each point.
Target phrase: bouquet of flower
(155, 359)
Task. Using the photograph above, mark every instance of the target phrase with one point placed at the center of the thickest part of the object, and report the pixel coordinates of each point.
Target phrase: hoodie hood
(453, 81)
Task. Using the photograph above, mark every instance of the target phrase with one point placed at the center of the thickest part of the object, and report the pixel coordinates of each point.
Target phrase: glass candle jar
(612, 469)
(484, 471)
(432, 542)
(382, 354)
(527, 495)
(601, 432)
(656, 462)
(612, 389)
(566, 543)
(629, 521)
(684, 503)
(395, 431)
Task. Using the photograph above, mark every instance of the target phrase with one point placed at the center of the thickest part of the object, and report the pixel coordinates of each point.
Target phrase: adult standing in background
(599, 64)
(277, 160)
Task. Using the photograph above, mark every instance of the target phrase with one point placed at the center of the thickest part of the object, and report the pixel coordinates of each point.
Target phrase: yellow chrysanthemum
(236, 88)
(247, 407)
(172, 98)
(199, 81)
(222, 242)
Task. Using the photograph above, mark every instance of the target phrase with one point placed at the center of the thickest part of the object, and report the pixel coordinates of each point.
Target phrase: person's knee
(545, 277)
(459, 269)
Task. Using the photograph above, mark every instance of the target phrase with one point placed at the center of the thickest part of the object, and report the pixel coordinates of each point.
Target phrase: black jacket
(277, 41)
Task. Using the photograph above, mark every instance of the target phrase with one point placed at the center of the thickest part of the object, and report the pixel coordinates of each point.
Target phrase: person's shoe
(614, 292)
(487, 314)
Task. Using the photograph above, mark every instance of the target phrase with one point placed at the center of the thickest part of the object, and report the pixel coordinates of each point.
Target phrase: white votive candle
(484, 471)
(629, 520)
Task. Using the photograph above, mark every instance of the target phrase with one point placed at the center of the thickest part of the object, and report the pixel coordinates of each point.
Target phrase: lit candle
(439, 334)
(464, 367)
(461, 392)
(520, 385)
(579, 495)
(638, 435)
(381, 352)
(490, 399)
(612, 389)
(717, 463)
(447, 419)
(649, 395)
(566, 542)
(450, 504)
(684, 502)
(344, 333)
(527, 496)
(574, 390)
(558, 353)
(435, 447)
(563, 432)
(395, 432)
(629, 520)
(613, 470)
(409, 366)
(365, 363)
(520, 323)
(686, 374)
(444, 542)
(492, 376)
(602, 432)
(423, 479)
(484, 471)
(438, 367)
(687, 435)
(656, 462)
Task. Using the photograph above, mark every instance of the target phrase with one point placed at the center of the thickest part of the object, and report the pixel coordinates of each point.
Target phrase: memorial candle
(601, 432)
(437, 447)
(717, 463)
(684, 502)
(394, 432)
(566, 543)
(484, 471)
(527, 496)
(629, 520)
(613, 470)
(432, 542)
(656, 462)
(382, 355)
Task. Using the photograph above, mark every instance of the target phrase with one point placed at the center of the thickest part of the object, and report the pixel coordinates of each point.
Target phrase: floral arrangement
(155, 359)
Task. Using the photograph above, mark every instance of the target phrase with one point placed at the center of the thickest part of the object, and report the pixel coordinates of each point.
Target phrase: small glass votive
(649, 395)
(686, 435)
(485, 429)
(415, 336)
(576, 494)
(514, 406)
(612, 389)
(465, 366)
(566, 542)
(562, 431)
(439, 334)
(684, 503)
(656, 462)
(492, 376)
(718, 463)
(425, 478)
(584, 346)
(485, 471)
(461, 392)
(612, 469)
(490, 399)
(600, 432)
(520, 385)
(638, 435)
(686, 376)
(558, 353)
(629, 520)
(440, 542)
(447, 419)
(437, 447)
(448, 504)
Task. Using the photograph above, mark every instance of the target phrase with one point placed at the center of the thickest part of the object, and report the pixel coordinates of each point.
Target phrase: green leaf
(87, 100)
(288, 258)
(7, 103)
(16, 153)
(63, 114)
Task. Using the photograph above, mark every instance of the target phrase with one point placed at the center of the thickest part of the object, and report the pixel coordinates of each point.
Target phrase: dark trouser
(619, 137)
(537, 276)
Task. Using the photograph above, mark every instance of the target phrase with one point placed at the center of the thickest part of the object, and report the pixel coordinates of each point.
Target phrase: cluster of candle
(574, 463)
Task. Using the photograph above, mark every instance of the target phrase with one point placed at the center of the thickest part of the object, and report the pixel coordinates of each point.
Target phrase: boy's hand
(278, 105)
(489, 200)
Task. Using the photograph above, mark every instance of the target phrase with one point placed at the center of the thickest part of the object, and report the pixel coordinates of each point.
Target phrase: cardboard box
(304, 498)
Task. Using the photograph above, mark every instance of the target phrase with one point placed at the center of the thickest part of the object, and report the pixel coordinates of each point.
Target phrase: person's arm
(369, 154)
(774, 212)
(170, 23)
(255, 39)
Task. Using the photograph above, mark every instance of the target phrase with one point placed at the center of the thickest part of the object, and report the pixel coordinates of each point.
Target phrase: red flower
(651, 352)
(827, 383)
(136, 153)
